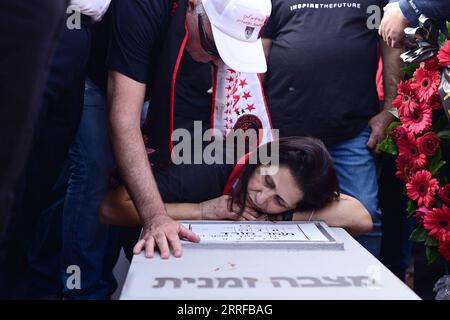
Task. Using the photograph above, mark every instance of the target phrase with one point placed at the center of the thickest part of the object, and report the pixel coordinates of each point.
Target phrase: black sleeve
(434, 9)
(191, 183)
(270, 28)
(137, 27)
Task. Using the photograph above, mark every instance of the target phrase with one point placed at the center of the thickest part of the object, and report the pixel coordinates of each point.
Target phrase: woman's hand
(220, 209)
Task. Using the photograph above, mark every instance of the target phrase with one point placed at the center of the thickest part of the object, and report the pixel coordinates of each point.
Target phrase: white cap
(236, 26)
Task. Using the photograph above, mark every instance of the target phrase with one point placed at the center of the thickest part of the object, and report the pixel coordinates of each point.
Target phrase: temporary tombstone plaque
(314, 235)
(281, 260)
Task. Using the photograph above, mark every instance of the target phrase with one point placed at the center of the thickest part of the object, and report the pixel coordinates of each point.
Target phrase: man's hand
(379, 125)
(164, 233)
(392, 27)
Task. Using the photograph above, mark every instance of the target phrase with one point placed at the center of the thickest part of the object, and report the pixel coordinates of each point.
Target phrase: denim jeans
(357, 174)
(87, 244)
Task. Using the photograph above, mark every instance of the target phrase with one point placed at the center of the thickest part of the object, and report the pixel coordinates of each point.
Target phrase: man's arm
(392, 74)
(267, 45)
(434, 9)
(125, 99)
(400, 14)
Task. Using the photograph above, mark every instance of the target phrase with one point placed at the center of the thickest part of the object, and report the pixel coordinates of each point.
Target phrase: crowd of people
(89, 109)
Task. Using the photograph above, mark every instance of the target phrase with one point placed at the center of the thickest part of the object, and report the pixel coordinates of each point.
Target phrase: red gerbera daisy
(421, 213)
(405, 99)
(404, 170)
(418, 119)
(444, 55)
(409, 153)
(444, 249)
(399, 133)
(422, 188)
(432, 64)
(444, 194)
(426, 84)
(438, 223)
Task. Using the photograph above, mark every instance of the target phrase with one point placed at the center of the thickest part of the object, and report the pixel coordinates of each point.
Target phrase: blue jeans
(357, 174)
(87, 244)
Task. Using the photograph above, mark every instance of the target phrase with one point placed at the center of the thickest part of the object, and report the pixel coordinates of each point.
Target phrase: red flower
(429, 143)
(418, 119)
(421, 213)
(435, 102)
(409, 150)
(399, 133)
(404, 170)
(422, 188)
(426, 84)
(405, 99)
(444, 249)
(444, 194)
(438, 222)
(444, 55)
(432, 64)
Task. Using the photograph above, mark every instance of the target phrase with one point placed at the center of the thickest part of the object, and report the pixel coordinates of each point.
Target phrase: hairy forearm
(135, 169)
(267, 46)
(392, 72)
(125, 98)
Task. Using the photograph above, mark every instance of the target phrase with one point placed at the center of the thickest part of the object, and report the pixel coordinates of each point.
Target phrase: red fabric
(237, 172)
(380, 87)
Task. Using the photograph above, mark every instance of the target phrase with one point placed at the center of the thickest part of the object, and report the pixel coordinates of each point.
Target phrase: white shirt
(92, 8)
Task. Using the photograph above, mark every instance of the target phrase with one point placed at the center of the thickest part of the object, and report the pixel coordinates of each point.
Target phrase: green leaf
(436, 163)
(388, 146)
(392, 125)
(432, 254)
(444, 134)
(409, 70)
(419, 235)
(441, 40)
(431, 242)
(411, 208)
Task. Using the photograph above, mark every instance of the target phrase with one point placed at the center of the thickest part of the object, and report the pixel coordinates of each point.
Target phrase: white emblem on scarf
(239, 103)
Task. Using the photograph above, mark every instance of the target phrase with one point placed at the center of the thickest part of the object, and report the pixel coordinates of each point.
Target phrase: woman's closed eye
(281, 202)
(269, 182)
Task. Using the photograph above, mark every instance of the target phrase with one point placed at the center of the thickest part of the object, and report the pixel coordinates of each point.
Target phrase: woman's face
(275, 193)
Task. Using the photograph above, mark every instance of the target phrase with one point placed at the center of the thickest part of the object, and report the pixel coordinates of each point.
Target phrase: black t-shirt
(192, 183)
(322, 68)
(136, 31)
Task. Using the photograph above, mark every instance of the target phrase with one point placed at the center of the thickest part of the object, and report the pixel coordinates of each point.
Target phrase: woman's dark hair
(312, 168)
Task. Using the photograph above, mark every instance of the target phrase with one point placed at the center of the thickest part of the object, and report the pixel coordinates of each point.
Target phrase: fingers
(372, 142)
(147, 244)
(188, 235)
(263, 217)
(247, 216)
(150, 247)
(175, 244)
(139, 246)
(163, 245)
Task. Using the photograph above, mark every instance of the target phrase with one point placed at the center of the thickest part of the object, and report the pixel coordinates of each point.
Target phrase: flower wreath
(415, 140)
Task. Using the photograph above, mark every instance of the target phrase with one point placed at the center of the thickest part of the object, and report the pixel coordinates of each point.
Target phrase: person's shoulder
(148, 8)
